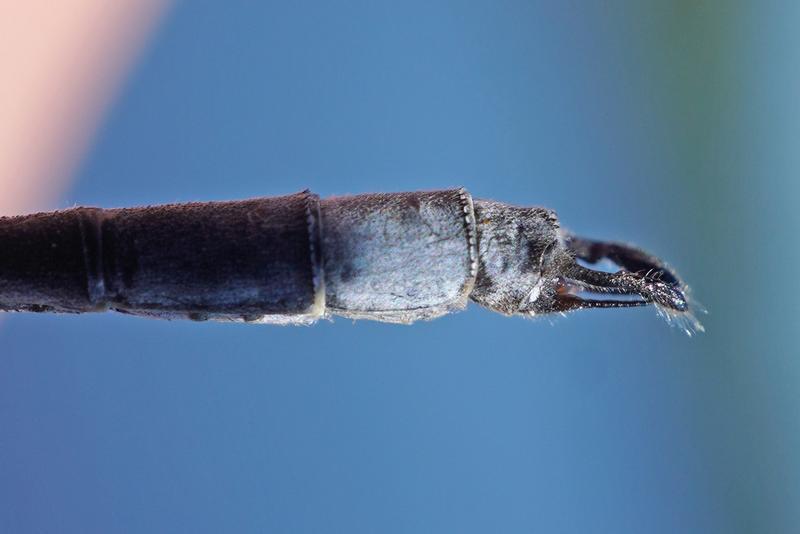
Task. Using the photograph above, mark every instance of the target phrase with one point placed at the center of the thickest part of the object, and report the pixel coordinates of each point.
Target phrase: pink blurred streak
(60, 65)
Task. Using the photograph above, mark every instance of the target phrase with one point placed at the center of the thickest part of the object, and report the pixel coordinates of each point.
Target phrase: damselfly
(396, 257)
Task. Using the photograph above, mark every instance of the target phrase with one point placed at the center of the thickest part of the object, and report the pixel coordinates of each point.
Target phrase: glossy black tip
(641, 274)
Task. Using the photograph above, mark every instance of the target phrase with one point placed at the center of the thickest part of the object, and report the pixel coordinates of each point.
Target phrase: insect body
(396, 257)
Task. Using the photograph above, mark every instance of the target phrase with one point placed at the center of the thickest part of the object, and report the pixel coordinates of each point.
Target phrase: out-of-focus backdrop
(674, 125)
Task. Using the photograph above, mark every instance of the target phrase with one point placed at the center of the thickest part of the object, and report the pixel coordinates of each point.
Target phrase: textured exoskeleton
(396, 257)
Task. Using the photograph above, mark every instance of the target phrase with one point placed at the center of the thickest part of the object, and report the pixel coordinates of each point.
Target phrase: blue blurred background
(673, 125)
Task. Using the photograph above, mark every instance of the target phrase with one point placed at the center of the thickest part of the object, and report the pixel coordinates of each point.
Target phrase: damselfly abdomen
(396, 257)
